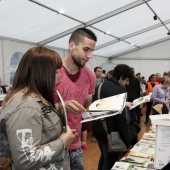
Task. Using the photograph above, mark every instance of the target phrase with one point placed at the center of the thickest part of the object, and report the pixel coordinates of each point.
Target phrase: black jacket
(114, 123)
(4, 89)
(133, 89)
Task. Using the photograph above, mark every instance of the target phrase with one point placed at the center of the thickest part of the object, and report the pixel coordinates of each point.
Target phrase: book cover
(141, 100)
(121, 165)
(149, 136)
(105, 107)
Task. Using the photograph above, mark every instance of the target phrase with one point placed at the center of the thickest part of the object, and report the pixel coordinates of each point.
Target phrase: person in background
(104, 73)
(138, 76)
(2, 88)
(109, 74)
(160, 93)
(99, 80)
(115, 85)
(149, 86)
(133, 92)
(158, 78)
(165, 74)
(83, 136)
(33, 126)
(76, 86)
(98, 73)
(143, 81)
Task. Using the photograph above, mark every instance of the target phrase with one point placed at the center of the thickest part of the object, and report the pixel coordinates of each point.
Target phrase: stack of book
(140, 156)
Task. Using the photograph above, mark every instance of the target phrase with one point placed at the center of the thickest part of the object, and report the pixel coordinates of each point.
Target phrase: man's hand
(72, 106)
(129, 104)
(165, 102)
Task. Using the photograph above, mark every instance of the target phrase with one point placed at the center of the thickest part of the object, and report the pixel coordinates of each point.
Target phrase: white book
(105, 107)
(121, 166)
(141, 100)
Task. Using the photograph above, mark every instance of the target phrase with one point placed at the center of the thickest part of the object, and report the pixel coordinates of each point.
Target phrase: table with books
(140, 157)
(152, 151)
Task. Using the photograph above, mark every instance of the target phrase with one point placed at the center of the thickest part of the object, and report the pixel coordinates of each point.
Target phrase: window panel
(61, 43)
(31, 22)
(161, 8)
(113, 49)
(128, 22)
(148, 37)
(86, 10)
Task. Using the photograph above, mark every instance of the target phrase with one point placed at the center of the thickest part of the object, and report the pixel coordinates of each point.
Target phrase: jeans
(107, 159)
(76, 159)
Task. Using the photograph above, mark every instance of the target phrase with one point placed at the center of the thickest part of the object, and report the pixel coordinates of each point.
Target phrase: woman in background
(160, 93)
(33, 126)
(149, 85)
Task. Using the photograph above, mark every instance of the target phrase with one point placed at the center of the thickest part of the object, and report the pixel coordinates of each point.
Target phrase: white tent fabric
(120, 25)
(125, 29)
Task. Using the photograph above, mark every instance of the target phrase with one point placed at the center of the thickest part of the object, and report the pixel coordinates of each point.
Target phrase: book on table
(121, 165)
(105, 107)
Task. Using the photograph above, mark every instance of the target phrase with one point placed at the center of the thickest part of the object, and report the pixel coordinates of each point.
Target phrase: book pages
(105, 107)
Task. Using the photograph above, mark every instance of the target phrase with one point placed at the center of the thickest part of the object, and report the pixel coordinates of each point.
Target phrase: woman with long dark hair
(32, 124)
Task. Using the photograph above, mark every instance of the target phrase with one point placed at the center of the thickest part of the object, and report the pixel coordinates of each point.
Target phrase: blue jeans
(76, 159)
(107, 159)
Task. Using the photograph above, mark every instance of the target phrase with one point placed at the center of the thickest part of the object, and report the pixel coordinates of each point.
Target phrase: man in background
(158, 78)
(104, 73)
(76, 86)
(98, 73)
(133, 92)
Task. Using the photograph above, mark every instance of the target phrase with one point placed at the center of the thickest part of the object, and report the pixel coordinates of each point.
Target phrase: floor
(92, 154)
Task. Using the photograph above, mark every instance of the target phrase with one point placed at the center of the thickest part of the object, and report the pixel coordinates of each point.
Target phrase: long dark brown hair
(150, 77)
(36, 74)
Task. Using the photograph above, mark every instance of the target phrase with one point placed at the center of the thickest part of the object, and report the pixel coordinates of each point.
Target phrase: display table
(162, 140)
(140, 157)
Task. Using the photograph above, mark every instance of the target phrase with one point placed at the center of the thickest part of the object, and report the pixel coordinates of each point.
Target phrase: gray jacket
(34, 135)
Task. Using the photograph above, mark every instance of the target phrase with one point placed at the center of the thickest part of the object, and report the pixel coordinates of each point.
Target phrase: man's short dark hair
(78, 34)
(123, 71)
(165, 74)
(95, 69)
(104, 71)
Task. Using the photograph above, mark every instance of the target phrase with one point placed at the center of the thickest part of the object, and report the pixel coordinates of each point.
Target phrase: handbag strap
(99, 90)
(104, 125)
(102, 120)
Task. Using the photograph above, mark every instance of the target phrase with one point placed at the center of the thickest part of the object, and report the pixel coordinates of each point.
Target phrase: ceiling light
(107, 32)
(132, 44)
(155, 17)
(61, 12)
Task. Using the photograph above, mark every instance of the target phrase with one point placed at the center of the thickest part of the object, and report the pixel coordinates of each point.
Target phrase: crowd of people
(31, 116)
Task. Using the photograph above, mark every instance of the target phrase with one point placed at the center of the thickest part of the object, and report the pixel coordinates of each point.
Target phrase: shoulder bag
(115, 143)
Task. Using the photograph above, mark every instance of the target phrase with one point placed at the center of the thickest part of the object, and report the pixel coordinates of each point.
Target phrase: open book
(141, 100)
(105, 107)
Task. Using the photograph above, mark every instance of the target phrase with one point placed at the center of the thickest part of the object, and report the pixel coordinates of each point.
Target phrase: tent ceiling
(130, 23)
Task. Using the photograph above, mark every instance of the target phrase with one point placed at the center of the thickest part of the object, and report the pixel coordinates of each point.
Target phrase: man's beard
(78, 62)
